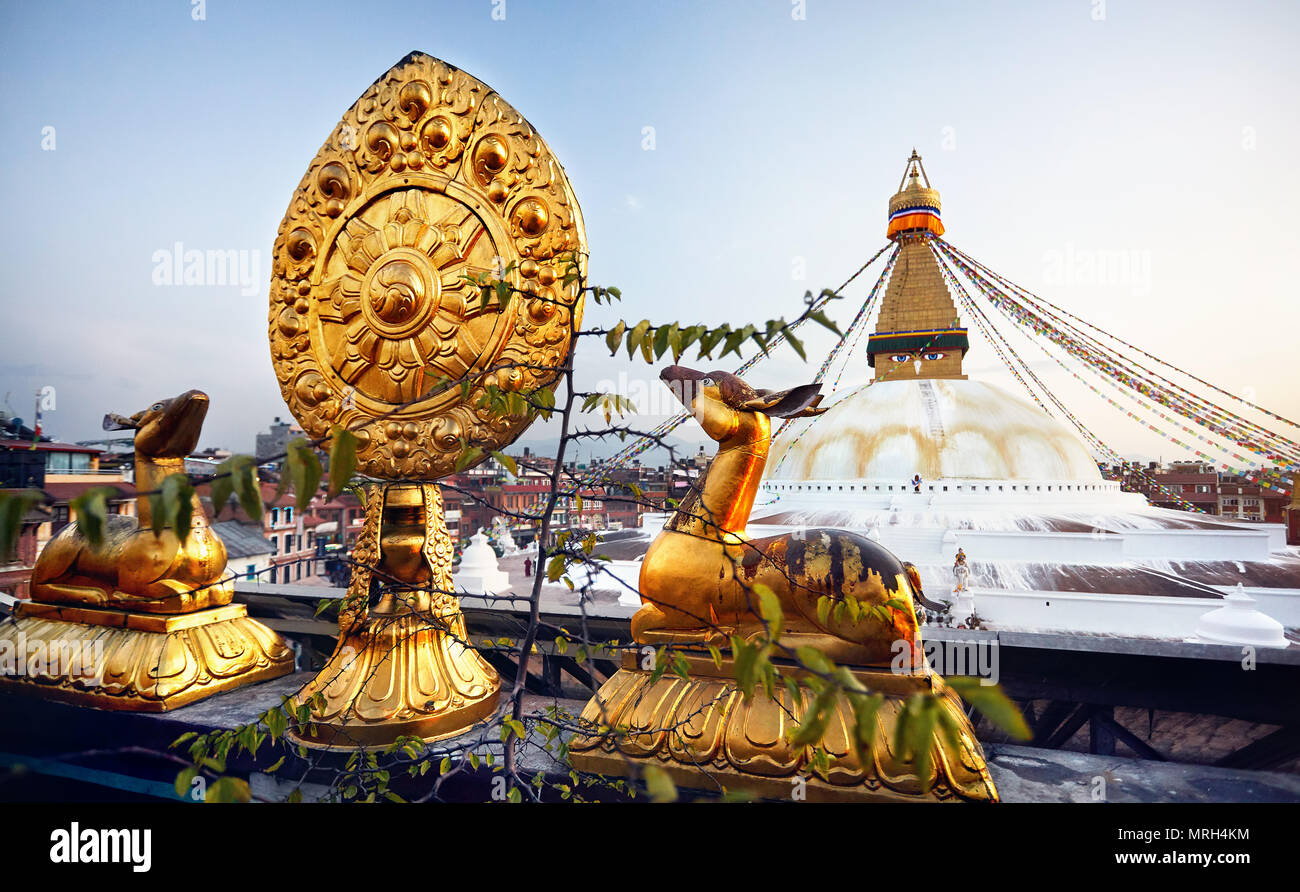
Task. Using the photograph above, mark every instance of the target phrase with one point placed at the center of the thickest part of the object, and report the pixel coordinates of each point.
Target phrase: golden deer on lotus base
(698, 587)
(142, 621)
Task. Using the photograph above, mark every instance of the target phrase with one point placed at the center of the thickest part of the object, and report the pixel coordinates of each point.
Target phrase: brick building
(1202, 485)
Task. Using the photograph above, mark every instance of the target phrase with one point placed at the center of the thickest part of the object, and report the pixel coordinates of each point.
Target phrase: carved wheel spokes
(431, 179)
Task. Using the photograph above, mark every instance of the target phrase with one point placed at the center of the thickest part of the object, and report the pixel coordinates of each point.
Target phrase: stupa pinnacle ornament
(918, 333)
(698, 586)
(146, 617)
(431, 180)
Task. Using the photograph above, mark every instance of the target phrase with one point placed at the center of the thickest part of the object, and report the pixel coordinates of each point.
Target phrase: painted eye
(706, 381)
(901, 357)
(156, 407)
(934, 356)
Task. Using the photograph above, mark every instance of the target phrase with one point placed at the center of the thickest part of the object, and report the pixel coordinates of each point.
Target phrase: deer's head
(168, 428)
(724, 404)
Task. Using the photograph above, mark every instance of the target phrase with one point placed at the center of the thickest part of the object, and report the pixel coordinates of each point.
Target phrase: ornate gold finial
(918, 333)
(430, 180)
(146, 617)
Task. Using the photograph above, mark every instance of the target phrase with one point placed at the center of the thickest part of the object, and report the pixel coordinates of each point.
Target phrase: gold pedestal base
(138, 662)
(399, 676)
(403, 667)
(703, 734)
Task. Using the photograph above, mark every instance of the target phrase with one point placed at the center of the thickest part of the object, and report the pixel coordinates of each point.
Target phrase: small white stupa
(1238, 622)
(478, 573)
(504, 539)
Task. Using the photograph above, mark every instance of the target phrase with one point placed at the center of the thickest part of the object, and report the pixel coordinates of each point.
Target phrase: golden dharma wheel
(430, 178)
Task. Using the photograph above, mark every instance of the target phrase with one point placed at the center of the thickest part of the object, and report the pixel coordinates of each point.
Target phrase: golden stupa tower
(918, 333)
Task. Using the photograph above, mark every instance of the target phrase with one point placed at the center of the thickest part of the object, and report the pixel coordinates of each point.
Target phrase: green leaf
(636, 335)
(659, 785)
(614, 336)
(172, 507)
(228, 789)
(91, 510)
(716, 655)
(507, 462)
(813, 727)
(993, 704)
(814, 659)
(796, 345)
(819, 316)
(745, 665)
(865, 708)
(223, 486)
(304, 471)
(823, 610)
(183, 781)
(247, 488)
(661, 340)
(769, 606)
(918, 735)
(13, 507)
(468, 456)
(343, 459)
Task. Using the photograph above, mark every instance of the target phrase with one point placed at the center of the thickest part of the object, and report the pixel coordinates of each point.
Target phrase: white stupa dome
(478, 572)
(938, 428)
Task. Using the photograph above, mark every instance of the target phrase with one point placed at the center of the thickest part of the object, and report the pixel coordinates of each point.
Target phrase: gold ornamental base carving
(398, 677)
(704, 735)
(138, 662)
(403, 666)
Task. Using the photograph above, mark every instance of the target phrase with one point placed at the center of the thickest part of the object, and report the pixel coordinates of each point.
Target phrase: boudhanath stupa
(928, 461)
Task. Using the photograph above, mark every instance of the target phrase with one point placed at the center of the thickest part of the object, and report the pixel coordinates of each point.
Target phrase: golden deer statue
(134, 568)
(699, 585)
(698, 577)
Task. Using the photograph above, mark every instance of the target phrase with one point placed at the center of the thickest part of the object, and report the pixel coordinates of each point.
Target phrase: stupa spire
(918, 333)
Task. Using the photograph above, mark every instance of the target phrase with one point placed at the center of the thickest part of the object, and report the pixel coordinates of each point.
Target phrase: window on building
(300, 541)
(275, 516)
(250, 572)
(275, 573)
(288, 514)
(298, 575)
(288, 543)
(275, 545)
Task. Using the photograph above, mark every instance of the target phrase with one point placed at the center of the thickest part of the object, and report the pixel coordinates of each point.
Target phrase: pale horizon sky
(1163, 134)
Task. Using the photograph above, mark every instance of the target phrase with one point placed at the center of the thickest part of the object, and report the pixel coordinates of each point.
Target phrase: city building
(291, 535)
(62, 472)
(276, 439)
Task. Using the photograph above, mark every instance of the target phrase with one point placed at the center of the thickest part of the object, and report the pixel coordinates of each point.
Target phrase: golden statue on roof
(429, 181)
(146, 616)
(431, 185)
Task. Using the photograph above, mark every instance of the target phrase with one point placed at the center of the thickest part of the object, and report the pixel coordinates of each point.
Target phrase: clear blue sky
(1165, 131)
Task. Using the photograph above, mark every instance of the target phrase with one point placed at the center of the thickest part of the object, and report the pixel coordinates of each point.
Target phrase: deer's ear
(118, 423)
(795, 402)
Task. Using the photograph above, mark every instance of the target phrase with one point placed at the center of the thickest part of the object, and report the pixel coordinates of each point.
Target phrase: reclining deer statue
(698, 575)
(134, 568)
